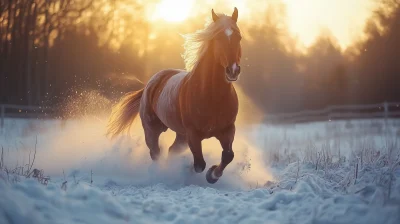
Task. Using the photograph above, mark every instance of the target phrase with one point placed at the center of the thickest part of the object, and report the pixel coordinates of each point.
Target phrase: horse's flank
(166, 105)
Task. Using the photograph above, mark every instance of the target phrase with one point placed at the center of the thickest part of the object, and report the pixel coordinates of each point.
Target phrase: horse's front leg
(194, 141)
(226, 139)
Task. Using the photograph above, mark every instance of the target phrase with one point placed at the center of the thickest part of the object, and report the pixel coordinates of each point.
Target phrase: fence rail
(338, 112)
(335, 112)
(23, 111)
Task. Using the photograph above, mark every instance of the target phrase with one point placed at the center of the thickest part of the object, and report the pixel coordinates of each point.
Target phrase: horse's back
(161, 97)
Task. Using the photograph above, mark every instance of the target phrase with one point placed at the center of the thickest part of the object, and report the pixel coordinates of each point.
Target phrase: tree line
(49, 47)
(280, 79)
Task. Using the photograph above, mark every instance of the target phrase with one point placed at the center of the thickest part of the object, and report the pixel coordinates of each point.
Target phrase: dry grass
(24, 171)
(347, 155)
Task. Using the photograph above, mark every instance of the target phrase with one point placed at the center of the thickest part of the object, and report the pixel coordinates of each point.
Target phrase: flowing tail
(124, 113)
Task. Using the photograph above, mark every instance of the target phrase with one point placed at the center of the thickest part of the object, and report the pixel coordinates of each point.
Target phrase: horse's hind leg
(152, 132)
(180, 144)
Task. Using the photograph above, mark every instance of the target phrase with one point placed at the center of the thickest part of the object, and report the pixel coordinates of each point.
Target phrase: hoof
(199, 167)
(210, 175)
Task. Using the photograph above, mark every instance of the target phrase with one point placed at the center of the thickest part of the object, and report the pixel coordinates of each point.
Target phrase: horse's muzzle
(232, 72)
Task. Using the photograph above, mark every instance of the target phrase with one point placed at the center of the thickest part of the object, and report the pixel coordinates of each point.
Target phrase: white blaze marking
(228, 32)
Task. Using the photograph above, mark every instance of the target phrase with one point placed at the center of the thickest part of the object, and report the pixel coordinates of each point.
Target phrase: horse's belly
(167, 104)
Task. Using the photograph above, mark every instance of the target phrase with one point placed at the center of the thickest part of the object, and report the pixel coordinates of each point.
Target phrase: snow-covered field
(327, 172)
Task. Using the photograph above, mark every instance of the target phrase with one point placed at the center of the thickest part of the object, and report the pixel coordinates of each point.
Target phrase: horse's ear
(214, 16)
(235, 14)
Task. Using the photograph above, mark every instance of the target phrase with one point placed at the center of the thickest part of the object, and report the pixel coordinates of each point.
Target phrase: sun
(173, 10)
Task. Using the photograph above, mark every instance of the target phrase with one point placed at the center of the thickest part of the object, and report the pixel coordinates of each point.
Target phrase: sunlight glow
(306, 20)
(342, 19)
(173, 10)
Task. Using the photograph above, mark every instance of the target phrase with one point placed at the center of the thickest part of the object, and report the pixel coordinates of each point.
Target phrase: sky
(343, 18)
(306, 19)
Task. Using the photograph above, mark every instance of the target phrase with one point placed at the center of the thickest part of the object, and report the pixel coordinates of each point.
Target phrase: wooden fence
(336, 112)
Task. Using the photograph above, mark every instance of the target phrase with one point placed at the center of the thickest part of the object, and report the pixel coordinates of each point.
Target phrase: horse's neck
(209, 77)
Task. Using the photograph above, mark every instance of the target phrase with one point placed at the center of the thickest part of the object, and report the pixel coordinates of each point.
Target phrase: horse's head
(227, 49)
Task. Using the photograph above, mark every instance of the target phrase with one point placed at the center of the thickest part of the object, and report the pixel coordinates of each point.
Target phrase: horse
(197, 103)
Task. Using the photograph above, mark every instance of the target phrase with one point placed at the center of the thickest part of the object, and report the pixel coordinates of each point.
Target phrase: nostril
(238, 69)
(227, 70)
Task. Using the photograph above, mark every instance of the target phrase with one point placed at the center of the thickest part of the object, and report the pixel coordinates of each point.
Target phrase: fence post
(2, 114)
(386, 107)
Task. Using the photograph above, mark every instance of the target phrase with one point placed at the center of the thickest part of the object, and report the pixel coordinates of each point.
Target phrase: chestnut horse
(198, 103)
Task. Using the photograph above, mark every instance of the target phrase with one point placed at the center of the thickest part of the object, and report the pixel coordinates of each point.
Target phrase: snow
(309, 202)
(273, 178)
